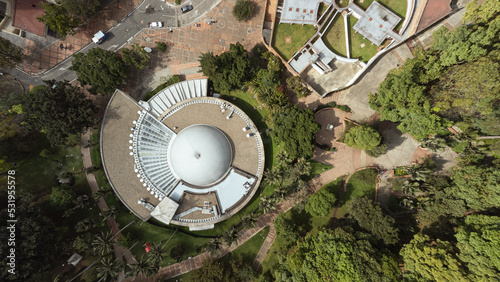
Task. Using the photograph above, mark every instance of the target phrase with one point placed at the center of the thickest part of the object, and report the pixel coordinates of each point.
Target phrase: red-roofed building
(26, 14)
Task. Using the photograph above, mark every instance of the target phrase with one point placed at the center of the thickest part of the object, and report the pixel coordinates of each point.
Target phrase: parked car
(187, 8)
(99, 37)
(155, 24)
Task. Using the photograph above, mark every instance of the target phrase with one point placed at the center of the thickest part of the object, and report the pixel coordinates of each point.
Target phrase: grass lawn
(398, 7)
(356, 39)
(362, 183)
(247, 252)
(299, 35)
(334, 37)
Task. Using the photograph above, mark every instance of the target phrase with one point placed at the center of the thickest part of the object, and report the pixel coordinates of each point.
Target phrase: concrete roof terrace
(117, 162)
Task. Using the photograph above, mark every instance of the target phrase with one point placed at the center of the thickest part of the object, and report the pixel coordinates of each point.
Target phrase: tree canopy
(296, 128)
(431, 260)
(82, 9)
(362, 137)
(10, 54)
(477, 240)
(102, 69)
(59, 109)
(243, 10)
(370, 217)
(229, 70)
(58, 19)
(337, 256)
(478, 186)
(320, 203)
(135, 56)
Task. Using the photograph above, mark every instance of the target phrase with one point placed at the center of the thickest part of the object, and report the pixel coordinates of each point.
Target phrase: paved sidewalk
(265, 247)
(39, 61)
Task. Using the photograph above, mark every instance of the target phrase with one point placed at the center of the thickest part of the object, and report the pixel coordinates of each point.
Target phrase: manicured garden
(334, 37)
(299, 34)
(356, 40)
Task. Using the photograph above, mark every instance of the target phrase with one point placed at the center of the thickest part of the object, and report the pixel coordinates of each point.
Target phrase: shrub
(321, 203)
(162, 47)
(177, 252)
(178, 2)
(243, 10)
(362, 137)
(61, 197)
(377, 151)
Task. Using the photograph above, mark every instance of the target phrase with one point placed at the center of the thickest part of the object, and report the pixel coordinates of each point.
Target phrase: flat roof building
(181, 157)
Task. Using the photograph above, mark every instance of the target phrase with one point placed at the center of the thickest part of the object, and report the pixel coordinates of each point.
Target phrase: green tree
(490, 125)
(231, 236)
(295, 84)
(35, 236)
(211, 271)
(320, 203)
(161, 46)
(10, 54)
(267, 204)
(103, 243)
(338, 256)
(177, 252)
(377, 151)
(109, 213)
(59, 110)
(155, 255)
(470, 89)
(477, 240)
(109, 269)
(135, 56)
(102, 69)
(214, 246)
(58, 19)
(249, 220)
(297, 129)
(431, 260)
(83, 9)
(483, 12)
(229, 70)
(85, 225)
(243, 10)
(83, 242)
(143, 267)
(370, 217)
(362, 137)
(478, 186)
(61, 197)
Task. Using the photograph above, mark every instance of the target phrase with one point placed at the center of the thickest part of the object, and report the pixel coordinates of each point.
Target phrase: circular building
(181, 157)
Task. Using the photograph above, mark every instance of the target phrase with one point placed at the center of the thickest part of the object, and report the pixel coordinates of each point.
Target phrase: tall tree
(370, 217)
(243, 10)
(155, 254)
(362, 137)
(478, 186)
(109, 213)
(109, 269)
(59, 109)
(297, 129)
(320, 203)
(83, 9)
(338, 256)
(135, 56)
(431, 260)
(103, 243)
(478, 242)
(214, 246)
(58, 19)
(102, 69)
(231, 236)
(143, 267)
(10, 54)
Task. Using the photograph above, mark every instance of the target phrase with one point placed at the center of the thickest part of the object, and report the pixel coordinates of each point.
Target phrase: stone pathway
(264, 249)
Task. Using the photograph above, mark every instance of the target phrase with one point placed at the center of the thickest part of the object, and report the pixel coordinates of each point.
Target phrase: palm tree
(214, 246)
(108, 213)
(81, 202)
(231, 236)
(267, 203)
(249, 220)
(302, 167)
(283, 158)
(109, 269)
(274, 176)
(156, 252)
(85, 225)
(143, 267)
(434, 144)
(103, 243)
(410, 187)
(407, 203)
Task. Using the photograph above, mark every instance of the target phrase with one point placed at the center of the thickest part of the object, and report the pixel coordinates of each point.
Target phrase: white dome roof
(200, 155)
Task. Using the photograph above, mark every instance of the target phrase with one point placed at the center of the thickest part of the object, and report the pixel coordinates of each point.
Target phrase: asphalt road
(123, 32)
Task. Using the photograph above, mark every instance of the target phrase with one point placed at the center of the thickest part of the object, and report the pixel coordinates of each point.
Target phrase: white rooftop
(300, 11)
(200, 155)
